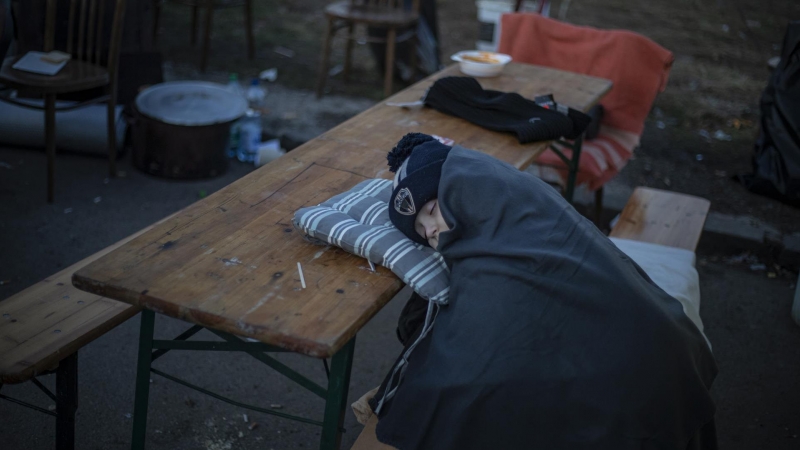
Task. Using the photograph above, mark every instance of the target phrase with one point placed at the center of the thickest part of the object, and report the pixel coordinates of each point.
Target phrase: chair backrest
(87, 32)
(638, 66)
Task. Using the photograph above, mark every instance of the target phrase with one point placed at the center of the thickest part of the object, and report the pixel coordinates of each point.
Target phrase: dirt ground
(721, 50)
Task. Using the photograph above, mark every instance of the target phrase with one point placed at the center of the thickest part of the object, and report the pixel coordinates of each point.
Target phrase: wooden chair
(639, 69)
(210, 6)
(389, 14)
(86, 70)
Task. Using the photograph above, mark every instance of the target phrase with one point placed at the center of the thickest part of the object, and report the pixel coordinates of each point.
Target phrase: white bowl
(491, 65)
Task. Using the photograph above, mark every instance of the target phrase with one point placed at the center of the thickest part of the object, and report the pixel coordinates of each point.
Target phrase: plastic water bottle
(234, 86)
(249, 136)
(235, 136)
(256, 95)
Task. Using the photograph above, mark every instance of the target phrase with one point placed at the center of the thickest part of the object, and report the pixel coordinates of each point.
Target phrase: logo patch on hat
(404, 203)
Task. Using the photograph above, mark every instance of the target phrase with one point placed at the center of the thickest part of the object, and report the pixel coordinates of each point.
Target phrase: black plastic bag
(776, 159)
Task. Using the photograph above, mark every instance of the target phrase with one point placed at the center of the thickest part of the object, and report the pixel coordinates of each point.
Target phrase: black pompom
(404, 148)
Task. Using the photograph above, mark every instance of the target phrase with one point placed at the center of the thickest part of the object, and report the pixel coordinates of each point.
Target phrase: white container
(268, 152)
(234, 86)
(492, 67)
(489, 12)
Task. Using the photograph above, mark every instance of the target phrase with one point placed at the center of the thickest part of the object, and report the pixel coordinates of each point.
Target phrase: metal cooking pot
(181, 129)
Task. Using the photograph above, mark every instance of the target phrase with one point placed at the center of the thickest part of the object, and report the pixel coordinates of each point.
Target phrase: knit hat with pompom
(417, 161)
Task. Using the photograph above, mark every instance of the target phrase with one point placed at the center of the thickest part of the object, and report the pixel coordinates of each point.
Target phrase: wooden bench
(41, 330)
(650, 215)
(662, 217)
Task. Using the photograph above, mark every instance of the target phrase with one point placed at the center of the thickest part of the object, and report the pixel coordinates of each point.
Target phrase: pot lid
(190, 103)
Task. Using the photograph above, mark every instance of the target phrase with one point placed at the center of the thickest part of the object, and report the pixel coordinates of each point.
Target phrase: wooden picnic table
(229, 262)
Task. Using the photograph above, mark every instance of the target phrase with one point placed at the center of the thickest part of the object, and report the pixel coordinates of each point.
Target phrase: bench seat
(662, 217)
(51, 320)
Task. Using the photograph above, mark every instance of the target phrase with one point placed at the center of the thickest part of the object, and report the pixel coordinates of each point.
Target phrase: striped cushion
(358, 222)
(602, 158)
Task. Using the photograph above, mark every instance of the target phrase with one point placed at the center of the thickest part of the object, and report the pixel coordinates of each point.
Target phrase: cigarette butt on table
(302, 279)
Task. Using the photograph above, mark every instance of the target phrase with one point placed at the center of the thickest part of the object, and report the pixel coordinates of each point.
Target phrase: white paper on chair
(33, 62)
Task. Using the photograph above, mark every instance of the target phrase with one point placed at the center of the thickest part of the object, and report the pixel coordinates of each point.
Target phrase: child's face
(430, 223)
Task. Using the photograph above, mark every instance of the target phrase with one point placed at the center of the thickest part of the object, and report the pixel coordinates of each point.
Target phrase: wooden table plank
(661, 217)
(240, 275)
(230, 260)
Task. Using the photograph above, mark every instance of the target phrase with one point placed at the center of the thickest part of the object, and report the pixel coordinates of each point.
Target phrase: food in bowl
(482, 57)
(481, 63)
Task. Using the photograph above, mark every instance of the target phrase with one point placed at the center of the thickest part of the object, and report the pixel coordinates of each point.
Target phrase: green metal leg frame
(336, 400)
(65, 397)
(143, 379)
(335, 395)
(571, 163)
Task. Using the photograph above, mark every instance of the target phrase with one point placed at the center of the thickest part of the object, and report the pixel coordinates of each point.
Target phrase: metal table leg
(143, 379)
(573, 165)
(336, 400)
(335, 395)
(66, 401)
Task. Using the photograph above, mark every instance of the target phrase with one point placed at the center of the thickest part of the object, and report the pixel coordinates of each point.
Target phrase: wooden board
(52, 319)
(229, 261)
(662, 217)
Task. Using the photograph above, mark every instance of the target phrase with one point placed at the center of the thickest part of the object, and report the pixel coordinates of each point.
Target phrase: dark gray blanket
(553, 338)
